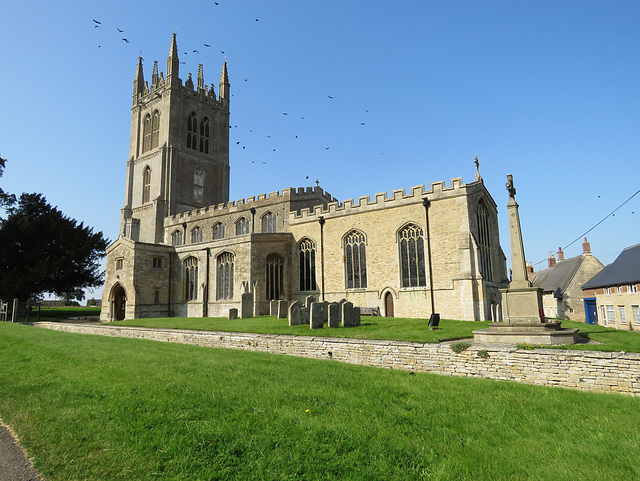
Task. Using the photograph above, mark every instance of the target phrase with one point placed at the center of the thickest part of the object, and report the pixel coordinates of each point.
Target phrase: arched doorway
(388, 305)
(118, 302)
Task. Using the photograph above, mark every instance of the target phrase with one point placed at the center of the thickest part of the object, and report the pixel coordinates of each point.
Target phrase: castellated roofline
(262, 200)
(382, 201)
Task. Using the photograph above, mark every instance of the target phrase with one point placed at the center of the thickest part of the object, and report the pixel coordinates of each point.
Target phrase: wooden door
(388, 305)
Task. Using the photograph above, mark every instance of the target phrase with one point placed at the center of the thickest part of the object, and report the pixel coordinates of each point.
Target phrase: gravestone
(282, 309)
(273, 308)
(246, 308)
(295, 313)
(304, 315)
(347, 314)
(233, 313)
(308, 300)
(316, 315)
(335, 314)
(356, 317)
(325, 311)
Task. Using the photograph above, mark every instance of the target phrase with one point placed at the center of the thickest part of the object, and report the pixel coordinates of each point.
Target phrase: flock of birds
(97, 23)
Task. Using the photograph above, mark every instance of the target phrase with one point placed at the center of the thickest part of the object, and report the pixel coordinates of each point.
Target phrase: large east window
(225, 276)
(307, 265)
(191, 279)
(411, 241)
(484, 241)
(355, 259)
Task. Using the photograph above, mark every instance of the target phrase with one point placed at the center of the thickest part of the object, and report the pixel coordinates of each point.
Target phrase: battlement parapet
(262, 200)
(438, 190)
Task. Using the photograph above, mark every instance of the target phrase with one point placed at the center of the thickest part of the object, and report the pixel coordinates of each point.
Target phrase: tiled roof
(558, 276)
(624, 270)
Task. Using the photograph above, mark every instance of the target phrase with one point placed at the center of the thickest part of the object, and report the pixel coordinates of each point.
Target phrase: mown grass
(604, 338)
(56, 314)
(101, 408)
(384, 328)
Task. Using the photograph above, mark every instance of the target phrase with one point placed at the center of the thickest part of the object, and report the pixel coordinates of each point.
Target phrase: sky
(365, 96)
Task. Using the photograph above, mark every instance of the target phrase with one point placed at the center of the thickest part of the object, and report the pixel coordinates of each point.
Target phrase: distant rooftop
(624, 270)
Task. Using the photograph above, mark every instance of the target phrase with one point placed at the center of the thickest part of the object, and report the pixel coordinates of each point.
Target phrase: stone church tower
(179, 149)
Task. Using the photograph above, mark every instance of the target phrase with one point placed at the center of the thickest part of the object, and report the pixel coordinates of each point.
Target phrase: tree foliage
(6, 199)
(42, 250)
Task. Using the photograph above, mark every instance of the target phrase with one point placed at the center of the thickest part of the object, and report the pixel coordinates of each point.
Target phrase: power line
(605, 218)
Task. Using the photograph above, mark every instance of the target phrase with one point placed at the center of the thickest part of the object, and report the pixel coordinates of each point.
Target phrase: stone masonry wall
(617, 372)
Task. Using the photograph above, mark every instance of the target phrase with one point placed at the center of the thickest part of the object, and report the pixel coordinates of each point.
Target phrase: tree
(6, 200)
(42, 250)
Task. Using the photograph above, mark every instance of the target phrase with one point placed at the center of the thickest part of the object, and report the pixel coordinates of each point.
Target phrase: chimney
(529, 268)
(560, 254)
(586, 247)
(552, 260)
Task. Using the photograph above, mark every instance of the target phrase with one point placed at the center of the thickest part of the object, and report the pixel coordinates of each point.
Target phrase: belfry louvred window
(146, 185)
(192, 131)
(155, 130)
(204, 135)
(146, 134)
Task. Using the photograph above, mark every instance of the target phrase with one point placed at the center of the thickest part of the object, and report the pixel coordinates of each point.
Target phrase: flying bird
(217, 3)
(222, 52)
(206, 45)
(183, 63)
(330, 96)
(195, 51)
(99, 23)
(119, 30)
(127, 41)
(326, 148)
(246, 79)
(284, 113)
(361, 123)
(256, 19)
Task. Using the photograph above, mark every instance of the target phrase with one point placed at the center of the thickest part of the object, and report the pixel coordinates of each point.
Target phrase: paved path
(14, 466)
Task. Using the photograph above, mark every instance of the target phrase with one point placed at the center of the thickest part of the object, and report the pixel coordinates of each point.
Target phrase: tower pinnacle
(223, 92)
(173, 63)
(138, 81)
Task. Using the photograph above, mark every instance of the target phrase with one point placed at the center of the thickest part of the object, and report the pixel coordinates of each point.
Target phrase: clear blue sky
(545, 90)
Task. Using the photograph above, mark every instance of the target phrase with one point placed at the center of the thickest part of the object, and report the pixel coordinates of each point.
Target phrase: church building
(185, 250)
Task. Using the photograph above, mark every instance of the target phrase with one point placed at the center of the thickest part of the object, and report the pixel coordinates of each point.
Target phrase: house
(562, 282)
(613, 295)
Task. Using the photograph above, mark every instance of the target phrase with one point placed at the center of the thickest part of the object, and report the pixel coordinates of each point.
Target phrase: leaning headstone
(282, 309)
(355, 321)
(325, 311)
(347, 314)
(316, 315)
(246, 308)
(308, 300)
(233, 313)
(273, 308)
(335, 316)
(295, 313)
(304, 316)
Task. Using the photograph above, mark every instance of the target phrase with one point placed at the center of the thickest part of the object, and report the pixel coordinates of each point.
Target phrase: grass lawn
(55, 314)
(101, 408)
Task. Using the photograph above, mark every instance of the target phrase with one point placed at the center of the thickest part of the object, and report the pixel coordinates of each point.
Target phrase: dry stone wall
(616, 372)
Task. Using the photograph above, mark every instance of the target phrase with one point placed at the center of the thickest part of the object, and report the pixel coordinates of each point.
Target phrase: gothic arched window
(484, 241)
(146, 185)
(307, 265)
(155, 129)
(225, 276)
(275, 276)
(411, 243)
(218, 231)
(198, 185)
(196, 235)
(190, 278)
(355, 259)
(146, 134)
(269, 221)
(192, 131)
(204, 135)
(176, 238)
(242, 226)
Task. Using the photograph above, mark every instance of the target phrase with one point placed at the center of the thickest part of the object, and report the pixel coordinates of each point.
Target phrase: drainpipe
(322, 221)
(434, 320)
(169, 294)
(253, 219)
(205, 294)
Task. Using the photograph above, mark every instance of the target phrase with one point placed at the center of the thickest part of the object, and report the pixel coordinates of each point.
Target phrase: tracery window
(176, 238)
(484, 241)
(146, 134)
(275, 276)
(307, 265)
(198, 185)
(411, 243)
(269, 221)
(225, 276)
(146, 184)
(192, 131)
(155, 129)
(190, 278)
(355, 258)
(242, 226)
(204, 135)
(218, 231)
(196, 235)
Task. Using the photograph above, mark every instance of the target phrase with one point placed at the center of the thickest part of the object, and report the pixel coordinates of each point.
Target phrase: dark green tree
(6, 200)
(42, 250)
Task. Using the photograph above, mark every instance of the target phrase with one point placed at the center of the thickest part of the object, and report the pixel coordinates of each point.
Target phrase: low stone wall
(584, 370)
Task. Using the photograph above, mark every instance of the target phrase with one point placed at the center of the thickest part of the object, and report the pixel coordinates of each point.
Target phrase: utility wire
(605, 218)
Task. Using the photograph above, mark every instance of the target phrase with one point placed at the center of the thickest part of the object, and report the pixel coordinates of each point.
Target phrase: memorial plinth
(521, 302)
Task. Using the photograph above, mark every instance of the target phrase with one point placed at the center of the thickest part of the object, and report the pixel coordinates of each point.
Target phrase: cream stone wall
(617, 297)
